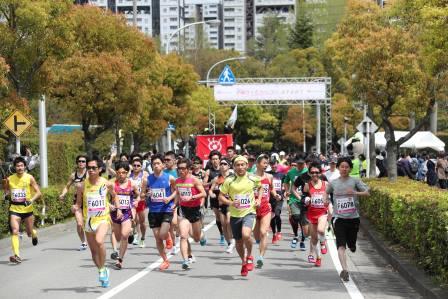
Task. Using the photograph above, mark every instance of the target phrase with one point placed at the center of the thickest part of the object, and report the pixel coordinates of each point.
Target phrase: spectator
(380, 163)
(431, 175)
(404, 167)
(442, 170)
(422, 170)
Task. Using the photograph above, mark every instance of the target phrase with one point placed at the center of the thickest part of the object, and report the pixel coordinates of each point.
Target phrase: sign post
(367, 127)
(17, 123)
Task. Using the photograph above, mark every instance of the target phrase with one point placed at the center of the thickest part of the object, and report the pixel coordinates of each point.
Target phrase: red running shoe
(279, 236)
(274, 239)
(244, 270)
(169, 242)
(318, 262)
(323, 247)
(250, 263)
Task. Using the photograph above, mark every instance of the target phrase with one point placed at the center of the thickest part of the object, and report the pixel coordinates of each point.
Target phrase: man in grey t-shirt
(346, 191)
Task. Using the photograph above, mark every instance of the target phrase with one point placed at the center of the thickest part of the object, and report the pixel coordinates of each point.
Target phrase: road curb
(415, 277)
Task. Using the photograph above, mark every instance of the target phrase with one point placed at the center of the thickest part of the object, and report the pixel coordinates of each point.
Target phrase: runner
(75, 178)
(160, 188)
(170, 168)
(211, 174)
(190, 197)
(23, 190)
(237, 191)
(264, 209)
(296, 215)
(136, 176)
(231, 152)
(224, 167)
(276, 205)
(346, 191)
(128, 194)
(316, 213)
(92, 196)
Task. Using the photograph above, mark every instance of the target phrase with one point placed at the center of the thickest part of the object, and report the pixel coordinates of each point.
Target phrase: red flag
(207, 143)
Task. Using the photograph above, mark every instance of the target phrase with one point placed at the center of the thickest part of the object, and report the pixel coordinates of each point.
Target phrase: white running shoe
(191, 259)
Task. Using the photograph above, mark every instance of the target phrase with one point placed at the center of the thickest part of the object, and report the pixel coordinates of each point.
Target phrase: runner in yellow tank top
(23, 191)
(92, 194)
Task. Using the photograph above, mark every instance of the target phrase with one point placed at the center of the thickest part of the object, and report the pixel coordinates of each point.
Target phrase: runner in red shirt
(317, 212)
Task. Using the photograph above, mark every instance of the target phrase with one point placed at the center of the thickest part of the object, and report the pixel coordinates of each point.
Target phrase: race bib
(265, 190)
(96, 204)
(18, 195)
(317, 201)
(345, 205)
(244, 200)
(124, 201)
(157, 194)
(185, 193)
(277, 185)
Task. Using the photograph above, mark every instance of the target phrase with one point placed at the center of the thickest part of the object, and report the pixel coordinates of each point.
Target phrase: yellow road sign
(17, 123)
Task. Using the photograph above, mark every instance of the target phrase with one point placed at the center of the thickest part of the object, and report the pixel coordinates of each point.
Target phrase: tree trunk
(392, 154)
(138, 140)
(117, 139)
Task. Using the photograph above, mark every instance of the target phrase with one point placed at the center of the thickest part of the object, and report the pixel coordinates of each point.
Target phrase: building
(240, 20)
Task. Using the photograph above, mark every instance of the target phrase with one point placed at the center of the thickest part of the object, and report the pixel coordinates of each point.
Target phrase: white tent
(420, 140)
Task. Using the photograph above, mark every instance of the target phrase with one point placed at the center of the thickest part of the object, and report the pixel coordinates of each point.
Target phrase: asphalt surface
(55, 269)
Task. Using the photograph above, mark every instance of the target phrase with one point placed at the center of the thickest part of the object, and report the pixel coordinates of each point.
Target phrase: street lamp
(211, 22)
(211, 116)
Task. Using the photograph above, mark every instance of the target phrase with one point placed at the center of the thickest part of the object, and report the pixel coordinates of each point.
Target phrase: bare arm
(67, 186)
(35, 186)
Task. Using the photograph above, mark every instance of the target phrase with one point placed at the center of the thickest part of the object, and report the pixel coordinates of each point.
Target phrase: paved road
(54, 269)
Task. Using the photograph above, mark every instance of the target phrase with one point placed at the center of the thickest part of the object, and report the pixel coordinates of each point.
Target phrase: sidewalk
(408, 270)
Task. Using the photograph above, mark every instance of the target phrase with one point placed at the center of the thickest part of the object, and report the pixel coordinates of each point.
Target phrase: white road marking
(351, 287)
(145, 271)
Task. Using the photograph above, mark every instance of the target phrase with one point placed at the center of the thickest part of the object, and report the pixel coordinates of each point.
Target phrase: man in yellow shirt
(23, 191)
(237, 192)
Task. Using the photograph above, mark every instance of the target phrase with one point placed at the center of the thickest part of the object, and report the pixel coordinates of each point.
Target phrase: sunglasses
(136, 165)
(314, 172)
(223, 163)
(92, 167)
(81, 161)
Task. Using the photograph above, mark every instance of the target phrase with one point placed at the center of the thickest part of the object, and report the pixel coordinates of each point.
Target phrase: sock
(322, 238)
(219, 225)
(15, 244)
(33, 233)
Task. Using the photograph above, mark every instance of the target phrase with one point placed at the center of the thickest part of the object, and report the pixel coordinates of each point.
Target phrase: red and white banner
(207, 143)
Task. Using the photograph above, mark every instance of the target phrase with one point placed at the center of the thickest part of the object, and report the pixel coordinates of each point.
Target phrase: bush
(415, 216)
(55, 209)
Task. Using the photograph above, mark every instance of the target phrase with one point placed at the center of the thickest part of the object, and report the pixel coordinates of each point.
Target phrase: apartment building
(284, 9)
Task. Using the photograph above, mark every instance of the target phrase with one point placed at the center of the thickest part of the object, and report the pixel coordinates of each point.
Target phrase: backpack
(414, 166)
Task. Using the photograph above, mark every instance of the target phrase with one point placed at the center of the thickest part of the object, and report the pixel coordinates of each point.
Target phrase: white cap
(282, 153)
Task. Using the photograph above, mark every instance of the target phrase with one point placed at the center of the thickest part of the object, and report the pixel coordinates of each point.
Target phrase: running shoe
(203, 241)
(344, 275)
(15, 259)
(114, 255)
(104, 277)
(222, 240)
(250, 263)
(323, 247)
(294, 243)
(34, 240)
(169, 242)
(244, 270)
(83, 247)
(142, 244)
(302, 246)
(230, 247)
(165, 265)
(318, 262)
(274, 239)
(119, 264)
(311, 259)
(259, 262)
(186, 265)
(191, 259)
(135, 241)
(279, 236)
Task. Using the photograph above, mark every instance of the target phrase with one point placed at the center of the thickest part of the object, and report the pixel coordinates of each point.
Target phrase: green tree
(301, 36)
(271, 39)
(33, 32)
(391, 79)
(3, 71)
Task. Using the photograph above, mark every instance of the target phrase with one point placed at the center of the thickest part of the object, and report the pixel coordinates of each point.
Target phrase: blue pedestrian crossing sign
(227, 77)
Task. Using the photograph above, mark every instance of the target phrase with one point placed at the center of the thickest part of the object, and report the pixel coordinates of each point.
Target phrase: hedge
(415, 216)
(55, 209)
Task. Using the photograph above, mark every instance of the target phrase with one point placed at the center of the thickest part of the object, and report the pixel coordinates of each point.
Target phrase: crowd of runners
(246, 193)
